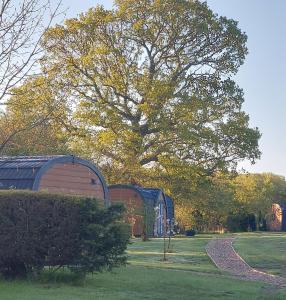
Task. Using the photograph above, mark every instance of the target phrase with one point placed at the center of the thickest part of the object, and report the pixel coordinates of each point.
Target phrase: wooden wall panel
(274, 222)
(134, 205)
(72, 179)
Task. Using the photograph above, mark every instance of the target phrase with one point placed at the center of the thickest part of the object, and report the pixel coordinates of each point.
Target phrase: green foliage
(241, 222)
(207, 204)
(39, 229)
(103, 239)
(257, 192)
(226, 201)
(34, 120)
(36, 229)
(149, 84)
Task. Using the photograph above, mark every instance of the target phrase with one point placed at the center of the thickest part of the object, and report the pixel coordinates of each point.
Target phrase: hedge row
(39, 229)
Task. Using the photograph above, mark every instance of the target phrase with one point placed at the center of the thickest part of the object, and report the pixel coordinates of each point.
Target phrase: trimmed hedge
(39, 229)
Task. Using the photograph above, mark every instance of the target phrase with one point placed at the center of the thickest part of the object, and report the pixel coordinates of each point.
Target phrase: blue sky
(262, 76)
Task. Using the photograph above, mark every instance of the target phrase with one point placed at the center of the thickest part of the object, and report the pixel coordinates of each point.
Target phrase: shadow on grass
(60, 277)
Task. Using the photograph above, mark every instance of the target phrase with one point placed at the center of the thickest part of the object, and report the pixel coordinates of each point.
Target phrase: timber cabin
(146, 210)
(56, 174)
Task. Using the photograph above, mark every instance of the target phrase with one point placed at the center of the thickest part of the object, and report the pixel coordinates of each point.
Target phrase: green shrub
(241, 222)
(103, 239)
(39, 229)
(190, 232)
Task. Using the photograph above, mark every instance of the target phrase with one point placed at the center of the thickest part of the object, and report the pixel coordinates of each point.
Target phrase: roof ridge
(29, 157)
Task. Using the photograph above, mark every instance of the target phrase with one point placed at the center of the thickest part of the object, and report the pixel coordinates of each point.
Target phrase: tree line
(234, 203)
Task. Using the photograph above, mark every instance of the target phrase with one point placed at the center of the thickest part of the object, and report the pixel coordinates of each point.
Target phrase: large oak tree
(150, 83)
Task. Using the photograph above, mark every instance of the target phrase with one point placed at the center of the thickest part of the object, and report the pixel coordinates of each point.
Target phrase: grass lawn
(187, 254)
(264, 251)
(188, 274)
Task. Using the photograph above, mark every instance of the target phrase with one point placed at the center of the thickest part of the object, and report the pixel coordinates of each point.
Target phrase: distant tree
(206, 206)
(239, 202)
(257, 192)
(33, 121)
(22, 24)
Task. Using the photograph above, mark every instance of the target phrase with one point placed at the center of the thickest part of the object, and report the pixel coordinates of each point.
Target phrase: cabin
(66, 174)
(146, 208)
(276, 220)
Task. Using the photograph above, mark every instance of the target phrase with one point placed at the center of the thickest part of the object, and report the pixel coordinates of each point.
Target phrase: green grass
(136, 283)
(264, 251)
(188, 274)
(187, 254)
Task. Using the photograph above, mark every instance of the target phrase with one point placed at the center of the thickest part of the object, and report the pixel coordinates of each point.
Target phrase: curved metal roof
(150, 194)
(20, 172)
(25, 172)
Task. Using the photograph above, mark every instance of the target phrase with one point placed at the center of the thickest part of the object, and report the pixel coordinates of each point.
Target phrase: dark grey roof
(26, 161)
(20, 172)
(150, 194)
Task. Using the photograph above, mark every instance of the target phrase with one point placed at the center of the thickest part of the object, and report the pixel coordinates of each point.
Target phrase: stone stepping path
(224, 256)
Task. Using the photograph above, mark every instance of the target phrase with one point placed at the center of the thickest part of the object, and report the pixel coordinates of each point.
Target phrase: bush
(241, 222)
(39, 229)
(190, 232)
(103, 239)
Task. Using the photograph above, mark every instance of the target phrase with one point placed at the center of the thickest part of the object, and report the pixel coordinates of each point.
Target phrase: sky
(263, 75)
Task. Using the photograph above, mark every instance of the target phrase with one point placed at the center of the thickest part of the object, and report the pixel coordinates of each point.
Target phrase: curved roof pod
(76, 175)
(154, 199)
(136, 208)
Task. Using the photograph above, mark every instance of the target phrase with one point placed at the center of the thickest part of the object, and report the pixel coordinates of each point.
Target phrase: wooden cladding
(134, 205)
(73, 179)
(274, 221)
(131, 198)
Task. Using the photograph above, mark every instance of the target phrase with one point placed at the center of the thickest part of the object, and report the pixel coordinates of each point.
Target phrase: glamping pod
(146, 210)
(58, 174)
(133, 200)
(276, 220)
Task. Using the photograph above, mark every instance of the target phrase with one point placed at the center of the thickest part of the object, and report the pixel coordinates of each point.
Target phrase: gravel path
(223, 255)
